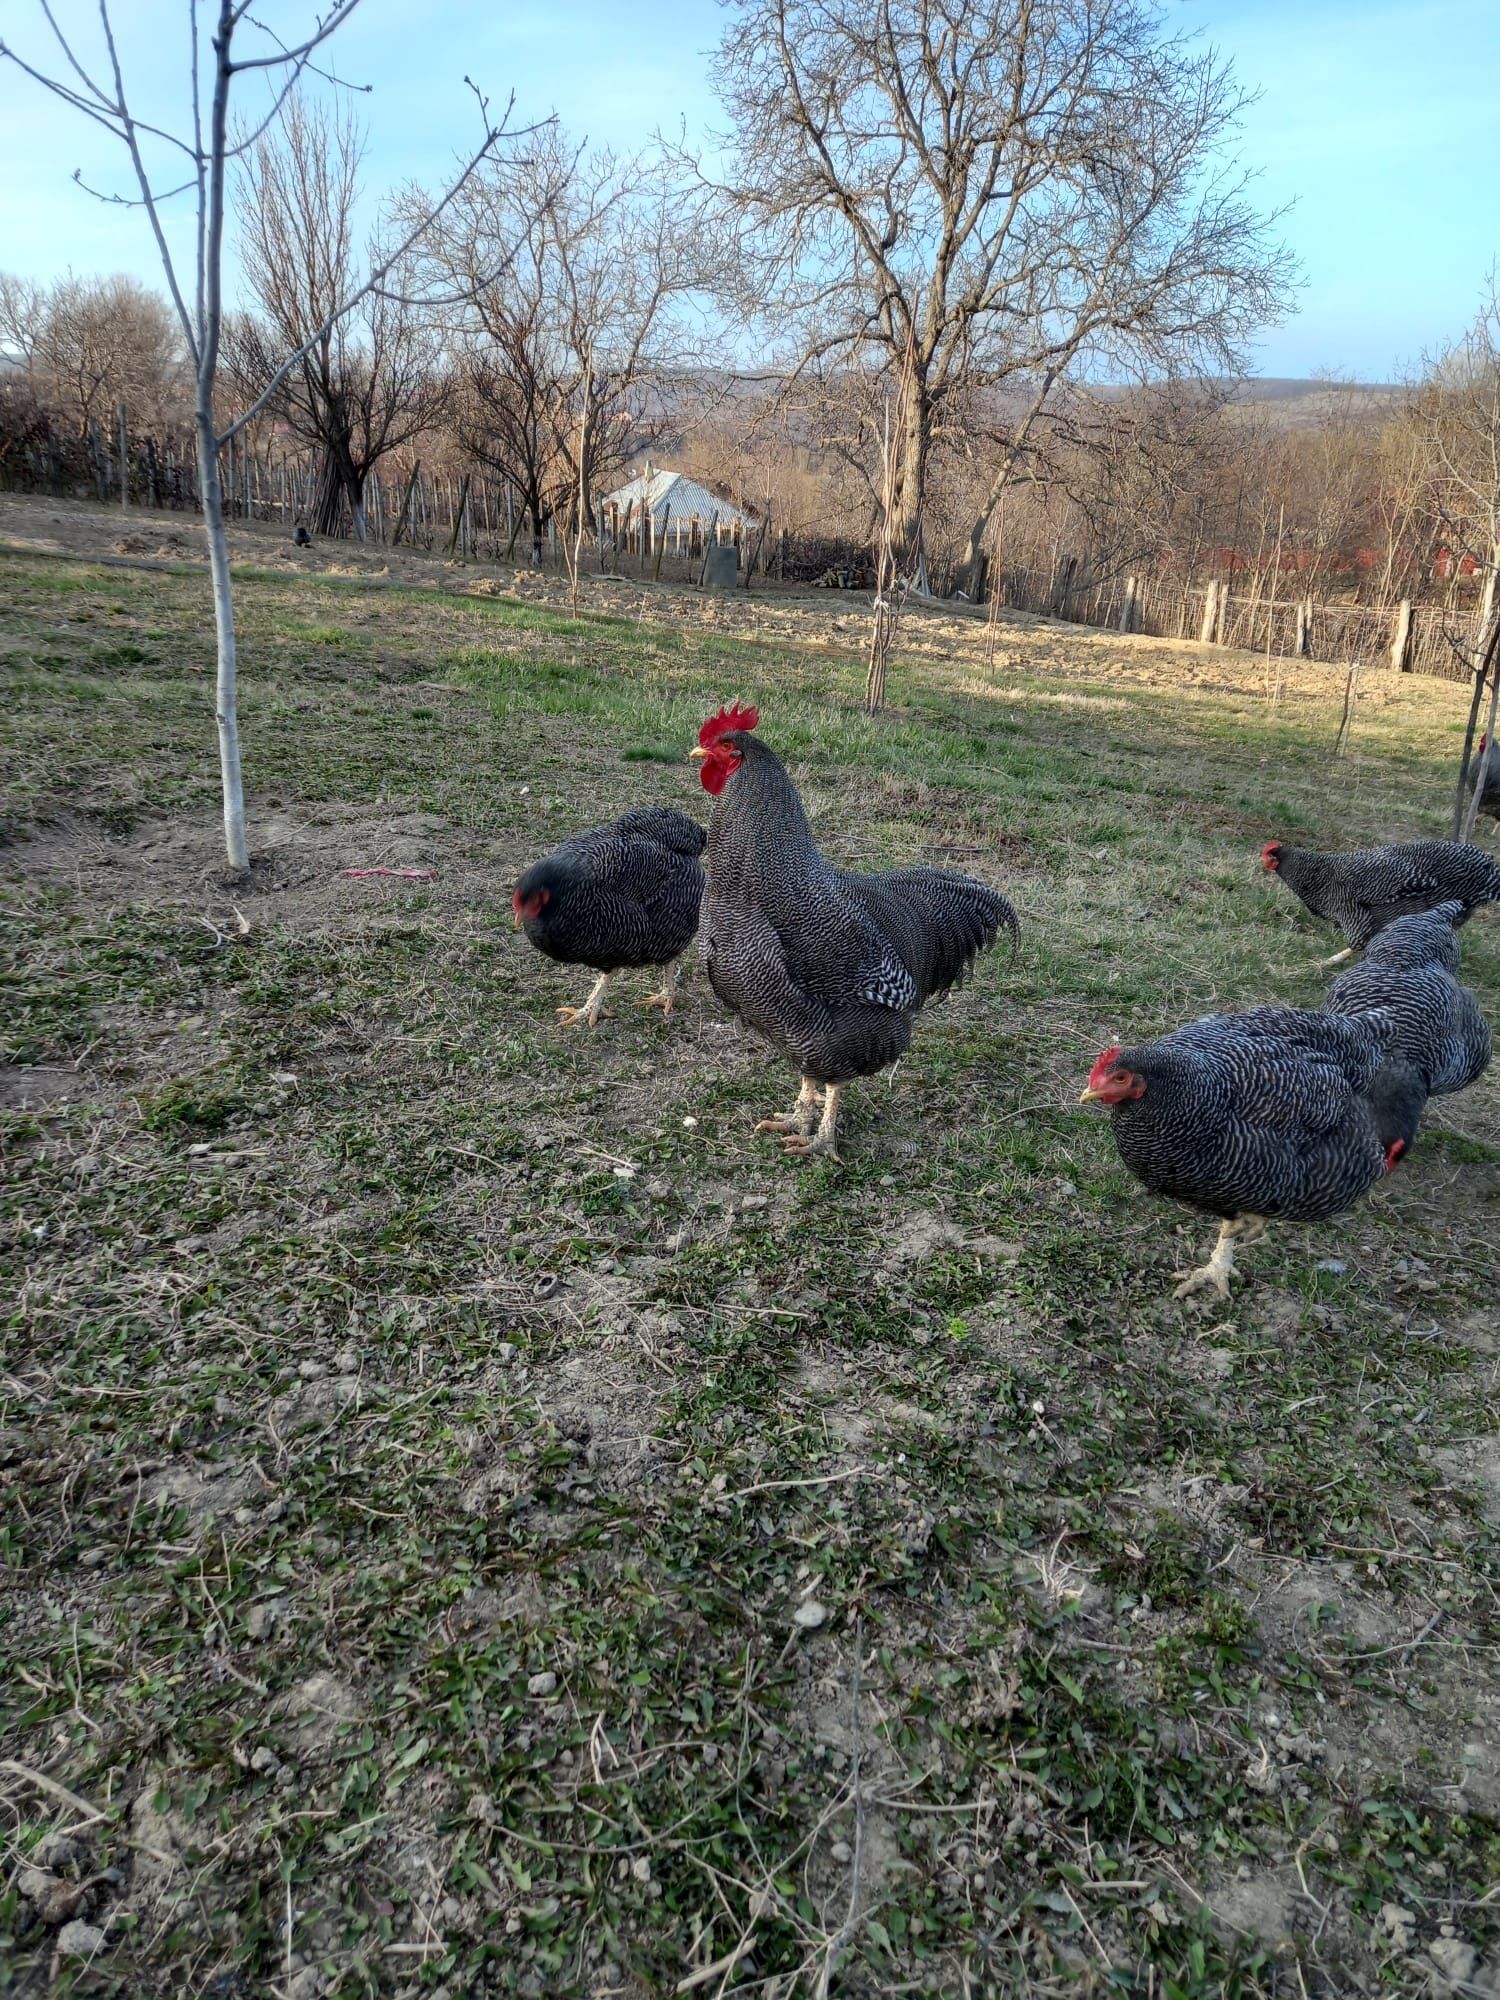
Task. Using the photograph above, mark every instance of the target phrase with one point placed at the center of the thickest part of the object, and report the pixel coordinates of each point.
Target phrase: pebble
(750, 1202)
(310, 1370)
(1334, 1264)
(542, 1684)
(841, 1851)
(810, 1615)
(505, 1352)
(33, 1883)
(346, 1361)
(264, 1759)
(640, 1868)
(80, 1940)
(55, 1850)
(691, 1124)
(1456, 1960)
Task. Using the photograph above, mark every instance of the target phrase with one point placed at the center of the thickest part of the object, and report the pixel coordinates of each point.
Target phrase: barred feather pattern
(621, 895)
(1489, 798)
(1408, 973)
(1364, 891)
(1262, 1113)
(831, 968)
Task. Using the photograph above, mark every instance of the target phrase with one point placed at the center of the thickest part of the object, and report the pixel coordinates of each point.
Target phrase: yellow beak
(697, 751)
(1091, 1096)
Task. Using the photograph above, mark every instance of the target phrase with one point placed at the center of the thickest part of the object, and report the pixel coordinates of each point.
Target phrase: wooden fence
(1412, 637)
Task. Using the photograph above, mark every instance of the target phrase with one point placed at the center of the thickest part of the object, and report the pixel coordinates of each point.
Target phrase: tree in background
(1013, 192)
(372, 380)
(1455, 421)
(202, 155)
(597, 293)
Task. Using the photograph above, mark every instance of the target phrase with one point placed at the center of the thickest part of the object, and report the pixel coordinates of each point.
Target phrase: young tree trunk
(911, 483)
(226, 701)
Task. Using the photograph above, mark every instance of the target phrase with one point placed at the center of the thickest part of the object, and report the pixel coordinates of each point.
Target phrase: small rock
(261, 1619)
(310, 1370)
(542, 1684)
(505, 1352)
(264, 1759)
(1454, 1959)
(690, 1123)
(810, 1615)
(34, 1883)
(1334, 1264)
(640, 1868)
(346, 1361)
(750, 1202)
(80, 1940)
(55, 1850)
(841, 1851)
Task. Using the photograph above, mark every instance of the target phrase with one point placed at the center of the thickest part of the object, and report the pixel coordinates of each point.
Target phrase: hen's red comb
(1103, 1067)
(727, 718)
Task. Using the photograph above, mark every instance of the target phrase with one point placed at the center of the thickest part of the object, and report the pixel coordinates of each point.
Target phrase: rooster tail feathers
(942, 922)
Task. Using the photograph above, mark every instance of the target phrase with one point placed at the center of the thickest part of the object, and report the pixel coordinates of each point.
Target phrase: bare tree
(1017, 188)
(1456, 417)
(88, 343)
(594, 295)
(373, 380)
(204, 153)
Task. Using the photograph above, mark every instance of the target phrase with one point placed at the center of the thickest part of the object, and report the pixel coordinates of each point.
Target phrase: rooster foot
(1237, 1229)
(802, 1119)
(666, 993)
(591, 1009)
(809, 1146)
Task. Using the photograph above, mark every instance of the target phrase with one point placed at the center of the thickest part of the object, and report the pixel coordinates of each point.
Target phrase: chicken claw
(808, 1146)
(591, 1009)
(802, 1119)
(1244, 1229)
(666, 993)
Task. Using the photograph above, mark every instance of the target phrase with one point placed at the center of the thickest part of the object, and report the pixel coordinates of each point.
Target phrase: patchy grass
(421, 1425)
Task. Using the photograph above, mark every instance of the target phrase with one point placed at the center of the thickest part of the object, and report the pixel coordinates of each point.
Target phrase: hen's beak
(697, 751)
(1091, 1096)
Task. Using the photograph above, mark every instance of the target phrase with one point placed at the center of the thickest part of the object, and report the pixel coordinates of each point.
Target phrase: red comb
(1395, 1151)
(1103, 1067)
(727, 718)
(1270, 855)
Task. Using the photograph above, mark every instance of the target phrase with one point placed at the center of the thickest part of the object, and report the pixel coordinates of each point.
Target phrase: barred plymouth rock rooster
(831, 968)
(617, 896)
(1273, 1112)
(1364, 891)
(1407, 973)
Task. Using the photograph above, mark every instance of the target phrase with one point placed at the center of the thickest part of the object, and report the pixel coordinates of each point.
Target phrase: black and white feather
(831, 968)
(1364, 891)
(1407, 974)
(1264, 1113)
(617, 896)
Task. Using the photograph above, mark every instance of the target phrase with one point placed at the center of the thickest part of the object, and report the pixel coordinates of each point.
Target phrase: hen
(831, 968)
(1270, 1113)
(617, 896)
(1364, 891)
(1489, 797)
(1407, 973)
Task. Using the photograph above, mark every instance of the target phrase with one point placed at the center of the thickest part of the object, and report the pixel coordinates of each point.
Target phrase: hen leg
(591, 1009)
(1244, 1229)
(666, 993)
(799, 1146)
(803, 1116)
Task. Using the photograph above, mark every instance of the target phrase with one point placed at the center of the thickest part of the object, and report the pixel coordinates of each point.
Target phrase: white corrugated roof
(660, 490)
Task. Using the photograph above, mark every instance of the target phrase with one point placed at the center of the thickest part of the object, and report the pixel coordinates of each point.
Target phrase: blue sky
(1376, 120)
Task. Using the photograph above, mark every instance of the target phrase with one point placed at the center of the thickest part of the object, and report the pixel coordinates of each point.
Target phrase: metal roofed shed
(664, 509)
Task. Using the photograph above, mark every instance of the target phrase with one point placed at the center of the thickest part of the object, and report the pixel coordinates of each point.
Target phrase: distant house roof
(660, 491)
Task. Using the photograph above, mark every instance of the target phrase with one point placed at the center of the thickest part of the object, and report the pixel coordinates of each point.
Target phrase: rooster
(617, 896)
(1270, 1113)
(1407, 972)
(1364, 891)
(831, 968)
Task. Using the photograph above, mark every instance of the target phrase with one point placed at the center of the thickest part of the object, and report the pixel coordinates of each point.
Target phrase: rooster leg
(1244, 1229)
(591, 1009)
(1337, 959)
(799, 1146)
(803, 1116)
(666, 993)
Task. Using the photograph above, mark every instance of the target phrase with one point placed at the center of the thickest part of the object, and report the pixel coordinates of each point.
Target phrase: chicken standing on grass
(1407, 972)
(1364, 891)
(1270, 1113)
(832, 968)
(1489, 798)
(618, 896)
